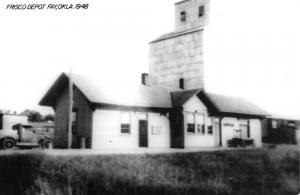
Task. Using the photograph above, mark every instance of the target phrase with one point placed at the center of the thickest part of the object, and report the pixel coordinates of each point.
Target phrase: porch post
(220, 130)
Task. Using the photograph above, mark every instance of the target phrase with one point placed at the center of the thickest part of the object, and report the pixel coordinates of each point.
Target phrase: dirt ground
(109, 151)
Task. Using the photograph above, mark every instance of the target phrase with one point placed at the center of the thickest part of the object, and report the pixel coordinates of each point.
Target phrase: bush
(255, 171)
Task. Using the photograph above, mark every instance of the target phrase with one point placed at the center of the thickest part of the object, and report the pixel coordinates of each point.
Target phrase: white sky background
(252, 48)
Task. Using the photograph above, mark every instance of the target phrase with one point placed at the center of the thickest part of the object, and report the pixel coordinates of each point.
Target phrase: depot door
(143, 133)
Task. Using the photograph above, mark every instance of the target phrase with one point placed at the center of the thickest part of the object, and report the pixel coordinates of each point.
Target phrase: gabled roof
(149, 97)
(176, 34)
(55, 90)
(104, 93)
(181, 1)
(218, 104)
(180, 97)
(230, 105)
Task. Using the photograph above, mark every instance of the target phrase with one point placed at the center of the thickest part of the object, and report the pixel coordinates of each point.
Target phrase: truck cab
(24, 136)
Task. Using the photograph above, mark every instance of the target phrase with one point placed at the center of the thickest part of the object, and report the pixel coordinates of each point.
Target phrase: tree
(33, 116)
(49, 117)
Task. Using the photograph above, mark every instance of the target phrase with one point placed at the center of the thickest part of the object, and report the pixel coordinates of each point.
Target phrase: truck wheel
(47, 144)
(41, 143)
(8, 144)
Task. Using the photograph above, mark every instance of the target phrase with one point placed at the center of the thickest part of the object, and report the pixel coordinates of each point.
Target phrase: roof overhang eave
(237, 115)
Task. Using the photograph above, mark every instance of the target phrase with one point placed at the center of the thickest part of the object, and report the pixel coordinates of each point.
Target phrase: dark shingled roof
(218, 104)
(149, 96)
(101, 92)
(180, 97)
(176, 34)
(181, 2)
(235, 105)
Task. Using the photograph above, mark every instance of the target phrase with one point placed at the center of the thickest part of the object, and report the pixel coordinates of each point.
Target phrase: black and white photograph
(173, 97)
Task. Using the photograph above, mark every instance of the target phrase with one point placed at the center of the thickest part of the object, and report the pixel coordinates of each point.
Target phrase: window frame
(183, 16)
(1, 121)
(200, 126)
(245, 124)
(181, 83)
(125, 130)
(211, 125)
(201, 11)
(200, 129)
(190, 125)
(74, 120)
(274, 124)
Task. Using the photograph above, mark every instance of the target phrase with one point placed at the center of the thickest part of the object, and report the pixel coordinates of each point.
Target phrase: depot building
(169, 108)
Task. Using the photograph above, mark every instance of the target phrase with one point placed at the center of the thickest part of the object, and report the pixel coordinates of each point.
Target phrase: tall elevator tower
(176, 58)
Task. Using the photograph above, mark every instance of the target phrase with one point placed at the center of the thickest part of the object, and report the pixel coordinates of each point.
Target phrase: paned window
(244, 128)
(74, 120)
(125, 122)
(190, 123)
(209, 125)
(183, 16)
(274, 124)
(201, 11)
(200, 123)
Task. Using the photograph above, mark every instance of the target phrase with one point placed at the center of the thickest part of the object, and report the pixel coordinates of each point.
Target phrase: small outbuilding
(279, 129)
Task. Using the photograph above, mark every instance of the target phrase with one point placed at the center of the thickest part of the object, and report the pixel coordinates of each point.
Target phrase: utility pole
(70, 110)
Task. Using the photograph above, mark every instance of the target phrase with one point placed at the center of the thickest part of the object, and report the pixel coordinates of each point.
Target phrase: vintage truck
(25, 136)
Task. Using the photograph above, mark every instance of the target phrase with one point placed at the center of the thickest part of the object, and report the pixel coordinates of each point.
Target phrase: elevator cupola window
(201, 11)
(181, 83)
(183, 16)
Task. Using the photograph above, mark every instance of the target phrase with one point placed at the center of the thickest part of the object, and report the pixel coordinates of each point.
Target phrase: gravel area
(109, 151)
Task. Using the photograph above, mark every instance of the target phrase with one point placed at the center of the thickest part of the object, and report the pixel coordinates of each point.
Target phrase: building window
(125, 122)
(181, 83)
(74, 116)
(125, 128)
(274, 124)
(191, 128)
(1, 121)
(200, 123)
(209, 126)
(201, 11)
(210, 130)
(74, 120)
(292, 123)
(201, 129)
(244, 128)
(183, 16)
(190, 123)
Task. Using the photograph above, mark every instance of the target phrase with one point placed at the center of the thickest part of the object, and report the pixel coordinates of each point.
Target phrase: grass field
(249, 171)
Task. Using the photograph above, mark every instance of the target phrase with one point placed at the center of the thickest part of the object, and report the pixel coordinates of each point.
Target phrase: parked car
(25, 136)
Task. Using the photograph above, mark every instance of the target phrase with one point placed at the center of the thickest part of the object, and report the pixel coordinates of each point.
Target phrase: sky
(251, 48)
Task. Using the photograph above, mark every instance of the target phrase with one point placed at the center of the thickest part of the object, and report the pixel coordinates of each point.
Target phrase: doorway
(143, 133)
